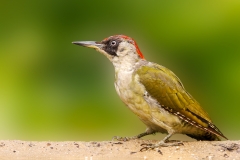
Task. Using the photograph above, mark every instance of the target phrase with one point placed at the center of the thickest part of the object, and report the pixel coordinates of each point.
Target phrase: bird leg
(148, 132)
(162, 143)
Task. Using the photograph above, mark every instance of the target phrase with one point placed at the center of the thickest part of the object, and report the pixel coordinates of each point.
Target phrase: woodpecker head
(119, 49)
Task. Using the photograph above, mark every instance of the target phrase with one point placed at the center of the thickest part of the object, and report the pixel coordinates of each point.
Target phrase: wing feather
(168, 90)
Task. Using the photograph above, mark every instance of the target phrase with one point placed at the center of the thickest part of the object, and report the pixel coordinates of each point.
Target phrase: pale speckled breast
(132, 94)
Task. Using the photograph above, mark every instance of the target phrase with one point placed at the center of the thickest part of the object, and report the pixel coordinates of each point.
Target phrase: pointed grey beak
(89, 44)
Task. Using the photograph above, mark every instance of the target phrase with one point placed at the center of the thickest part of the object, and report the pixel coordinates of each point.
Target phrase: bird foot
(160, 144)
(123, 138)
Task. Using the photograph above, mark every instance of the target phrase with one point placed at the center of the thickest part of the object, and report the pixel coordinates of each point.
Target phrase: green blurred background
(51, 89)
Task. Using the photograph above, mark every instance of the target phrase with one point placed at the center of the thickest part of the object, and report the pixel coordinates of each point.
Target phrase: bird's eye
(113, 43)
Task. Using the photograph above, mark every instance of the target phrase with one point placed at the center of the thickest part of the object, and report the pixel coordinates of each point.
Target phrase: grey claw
(146, 146)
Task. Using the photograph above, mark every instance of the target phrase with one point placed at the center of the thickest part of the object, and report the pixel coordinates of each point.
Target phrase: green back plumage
(163, 85)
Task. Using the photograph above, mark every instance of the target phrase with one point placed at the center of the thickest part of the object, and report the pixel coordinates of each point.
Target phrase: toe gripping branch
(162, 143)
(132, 138)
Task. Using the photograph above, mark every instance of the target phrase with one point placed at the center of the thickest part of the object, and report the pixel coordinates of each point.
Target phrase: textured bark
(116, 150)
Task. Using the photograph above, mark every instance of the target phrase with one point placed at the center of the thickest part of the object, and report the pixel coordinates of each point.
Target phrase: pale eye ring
(113, 43)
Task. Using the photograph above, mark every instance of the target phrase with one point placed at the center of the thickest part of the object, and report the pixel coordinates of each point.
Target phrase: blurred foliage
(53, 90)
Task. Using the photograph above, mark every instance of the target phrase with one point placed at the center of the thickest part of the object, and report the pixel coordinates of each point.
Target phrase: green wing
(163, 85)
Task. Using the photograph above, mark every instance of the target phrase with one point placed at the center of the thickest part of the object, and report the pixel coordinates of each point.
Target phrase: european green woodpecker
(154, 93)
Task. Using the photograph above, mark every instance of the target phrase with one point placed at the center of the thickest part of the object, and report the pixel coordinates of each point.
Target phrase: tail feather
(205, 137)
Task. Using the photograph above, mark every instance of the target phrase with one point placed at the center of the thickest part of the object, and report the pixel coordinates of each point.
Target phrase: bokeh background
(51, 89)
